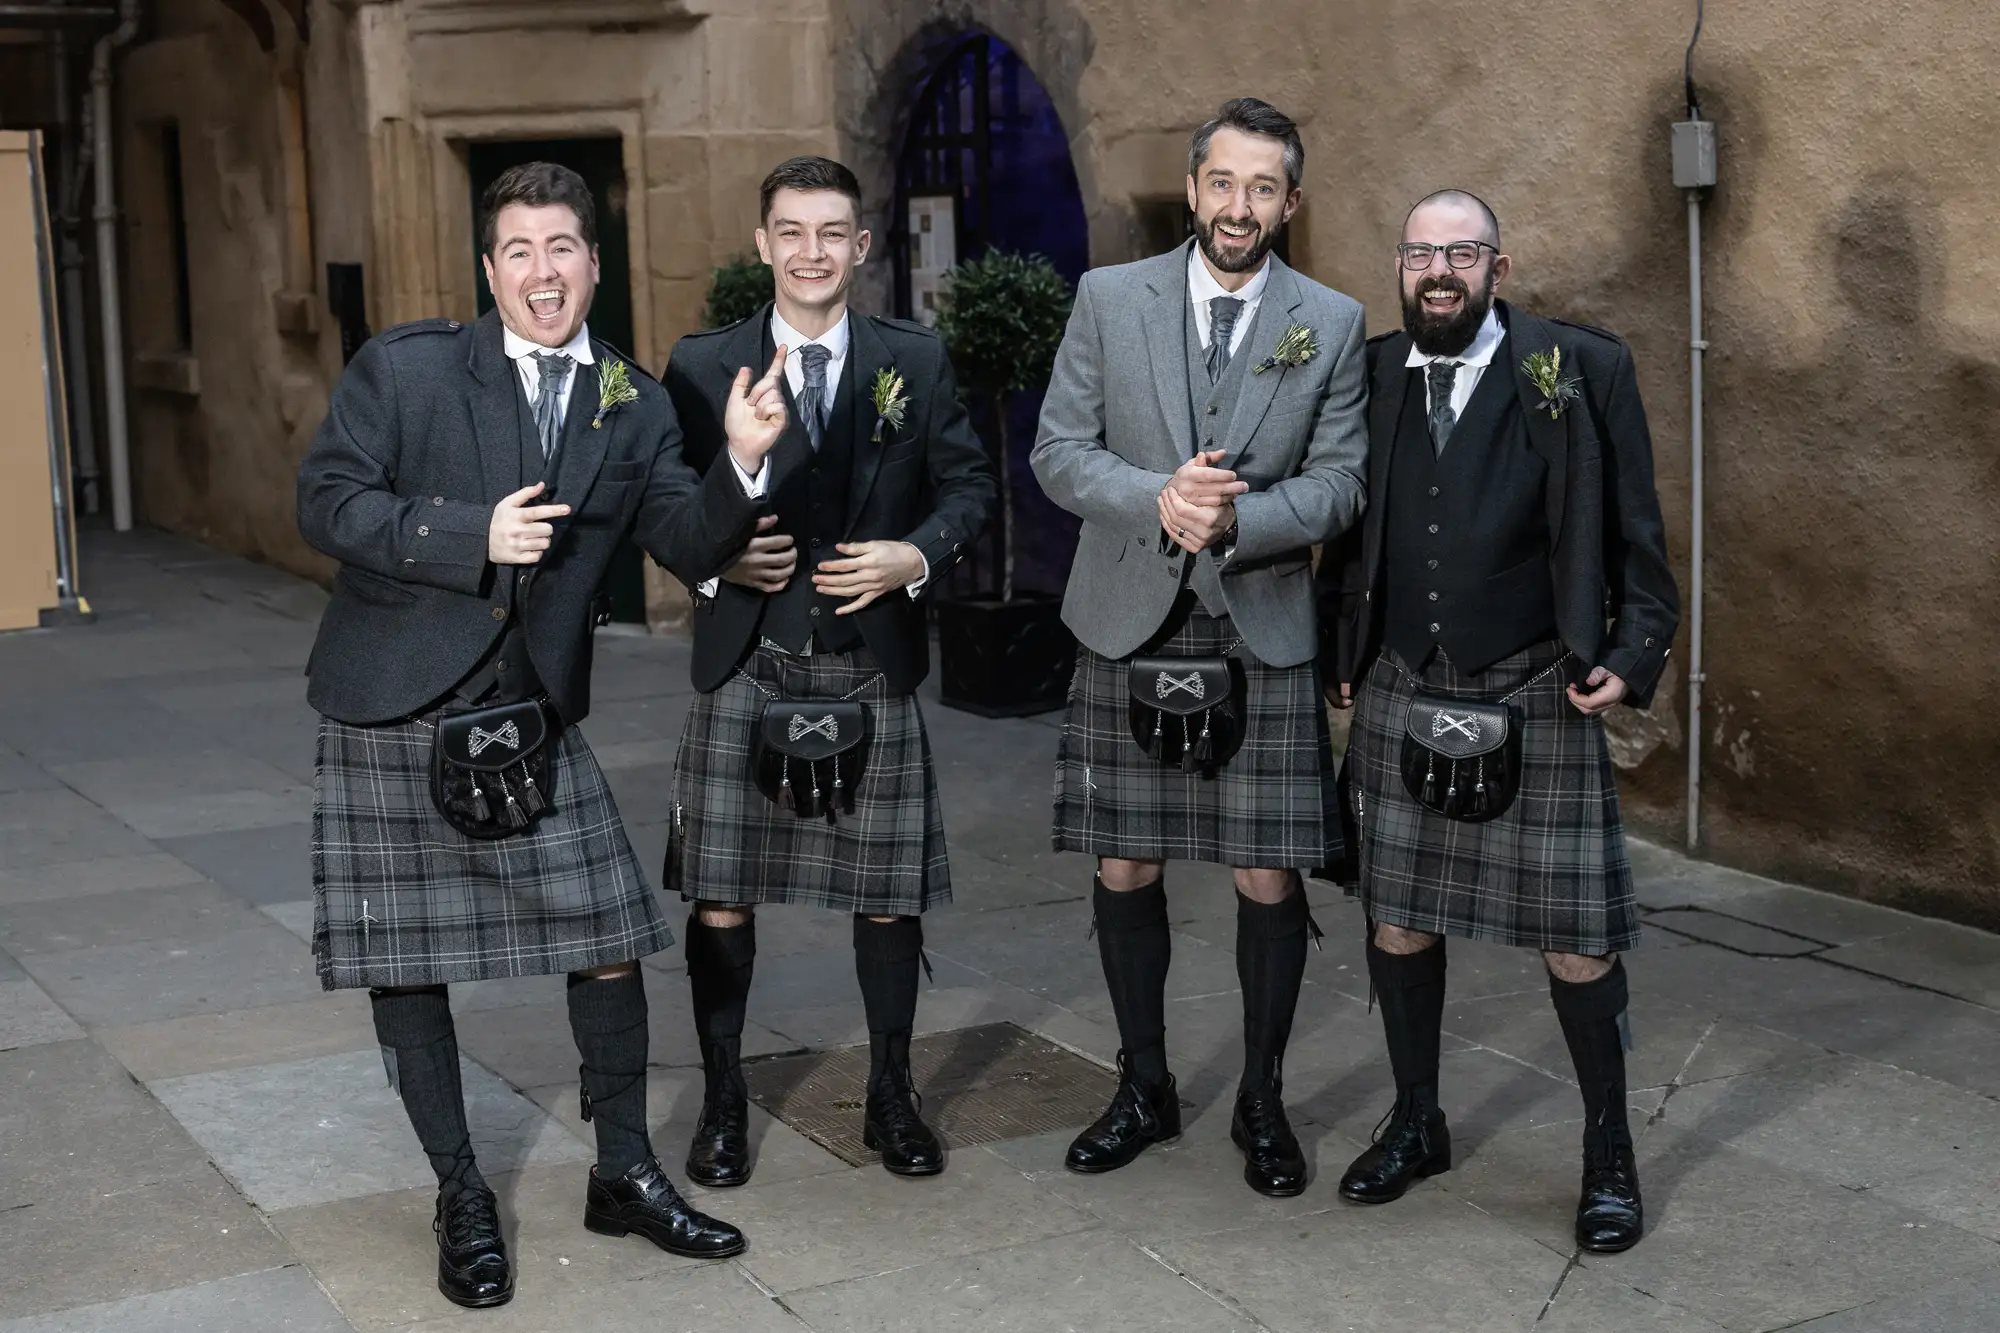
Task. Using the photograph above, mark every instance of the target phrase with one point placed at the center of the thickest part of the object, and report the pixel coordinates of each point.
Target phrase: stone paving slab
(1098, 1281)
(263, 866)
(709, 1299)
(311, 1131)
(1371, 1269)
(28, 1017)
(532, 1045)
(54, 825)
(240, 1038)
(808, 1233)
(94, 875)
(280, 1300)
(185, 914)
(138, 983)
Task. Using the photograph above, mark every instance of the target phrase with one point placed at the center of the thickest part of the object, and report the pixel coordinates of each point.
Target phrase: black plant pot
(1004, 659)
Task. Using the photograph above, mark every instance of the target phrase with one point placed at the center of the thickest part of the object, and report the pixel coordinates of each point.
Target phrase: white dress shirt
(1203, 288)
(1472, 362)
(522, 353)
(835, 340)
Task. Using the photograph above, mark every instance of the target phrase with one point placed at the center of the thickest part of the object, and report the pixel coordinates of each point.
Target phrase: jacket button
(423, 531)
(438, 500)
(1433, 564)
(1649, 643)
(1434, 627)
(524, 580)
(1434, 490)
(1434, 528)
(1211, 409)
(408, 563)
(1434, 597)
(499, 613)
(815, 611)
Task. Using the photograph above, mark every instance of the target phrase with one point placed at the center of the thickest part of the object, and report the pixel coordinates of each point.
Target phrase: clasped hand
(520, 532)
(1198, 503)
(866, 571)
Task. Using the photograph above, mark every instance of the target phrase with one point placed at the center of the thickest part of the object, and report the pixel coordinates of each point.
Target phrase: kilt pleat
(400, 898)
(1274, 805)
(1551, 873)
(728, 843)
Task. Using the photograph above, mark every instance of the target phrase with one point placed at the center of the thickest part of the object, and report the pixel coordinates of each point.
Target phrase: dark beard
(1452, 334)
(1247, 262)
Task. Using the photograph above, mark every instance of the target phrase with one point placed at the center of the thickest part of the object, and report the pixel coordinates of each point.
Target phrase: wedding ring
(1183, 534)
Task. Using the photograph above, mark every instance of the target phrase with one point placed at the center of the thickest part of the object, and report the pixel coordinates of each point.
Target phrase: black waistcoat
(1466, 533)
(811, 506)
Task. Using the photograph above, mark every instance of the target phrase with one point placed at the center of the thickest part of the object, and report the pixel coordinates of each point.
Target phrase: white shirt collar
(577, 348)
(1202, 286)
(834, 340)
(1485, 345)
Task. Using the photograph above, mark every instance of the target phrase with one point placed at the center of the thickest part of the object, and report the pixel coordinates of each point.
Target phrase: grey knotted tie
(1222, 313)
(1441, 375)
(548, 398)
(813, 358)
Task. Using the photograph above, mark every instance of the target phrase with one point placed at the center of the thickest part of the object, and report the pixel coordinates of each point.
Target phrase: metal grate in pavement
(979, 1084)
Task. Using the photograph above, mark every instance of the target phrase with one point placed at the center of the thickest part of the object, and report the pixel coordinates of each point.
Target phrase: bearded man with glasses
(1508, 587)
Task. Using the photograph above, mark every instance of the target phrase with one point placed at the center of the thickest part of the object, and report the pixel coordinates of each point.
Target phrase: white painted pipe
(105, 213)
(1696, 679)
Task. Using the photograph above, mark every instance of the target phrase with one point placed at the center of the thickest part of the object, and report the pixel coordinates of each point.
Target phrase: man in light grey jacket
(1206, 421)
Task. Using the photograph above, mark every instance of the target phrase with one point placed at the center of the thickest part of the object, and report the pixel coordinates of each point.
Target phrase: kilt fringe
(1273, 805)
(1551, 873)
(400, 898)
(726, 841)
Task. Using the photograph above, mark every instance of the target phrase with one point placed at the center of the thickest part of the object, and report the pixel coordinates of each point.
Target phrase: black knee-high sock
(721, 961)
(1136, 948)
(420, 1051)
(1410, 989)
(1270, 965)
(1589, 1012)
(886, 955)
(608, 1017)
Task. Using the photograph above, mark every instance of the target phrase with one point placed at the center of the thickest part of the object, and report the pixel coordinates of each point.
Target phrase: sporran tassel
(1204, 745)
(480, 810)
(531, 795)
(788, 799)
(516, 817)
(1187, 748)
(1430, 774)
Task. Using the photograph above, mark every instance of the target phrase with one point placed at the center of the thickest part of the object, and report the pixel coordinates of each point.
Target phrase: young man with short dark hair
(474, 481)
(804, 775)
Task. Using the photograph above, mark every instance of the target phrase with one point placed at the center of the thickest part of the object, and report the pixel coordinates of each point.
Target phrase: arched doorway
(985, 164)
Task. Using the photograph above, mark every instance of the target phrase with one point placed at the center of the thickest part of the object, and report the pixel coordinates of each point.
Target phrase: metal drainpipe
(1696, 679)
(105, 213)
(73, 161)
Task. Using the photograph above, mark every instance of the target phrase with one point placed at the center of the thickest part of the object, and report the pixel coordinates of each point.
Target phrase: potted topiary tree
(740, 286)
(1003, 653)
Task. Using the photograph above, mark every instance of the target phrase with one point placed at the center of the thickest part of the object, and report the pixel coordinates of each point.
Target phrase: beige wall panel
(27, 524)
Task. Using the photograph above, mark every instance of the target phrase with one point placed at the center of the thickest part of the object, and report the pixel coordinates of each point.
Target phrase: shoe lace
(1264, 1117)
(1401, 1119)
(473, 1216)
(897, 1103)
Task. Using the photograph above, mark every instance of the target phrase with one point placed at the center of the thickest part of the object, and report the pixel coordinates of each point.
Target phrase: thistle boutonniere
(890, 400)
(1544, 371)
(614, 386)
(1298, 345)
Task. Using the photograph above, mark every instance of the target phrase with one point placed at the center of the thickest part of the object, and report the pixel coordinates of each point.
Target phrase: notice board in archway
(28, 369)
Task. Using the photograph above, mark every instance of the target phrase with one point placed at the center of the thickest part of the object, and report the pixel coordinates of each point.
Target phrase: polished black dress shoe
(1610, 1217)
(643, 1200)
(1137, 1118)
(719, 1157)
(1407, 1148)
(472, 1258)
(893, 1128)
(1273, 1163)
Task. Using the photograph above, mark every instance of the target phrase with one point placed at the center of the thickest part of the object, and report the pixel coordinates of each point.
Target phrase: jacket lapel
(580, 452)
(1547, 436)
(494, 402)
(1274, 316)
(867, 355)
(1166, 325)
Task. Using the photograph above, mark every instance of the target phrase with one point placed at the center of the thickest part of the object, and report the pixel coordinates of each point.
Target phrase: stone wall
(1854, 374)
(1853, 378)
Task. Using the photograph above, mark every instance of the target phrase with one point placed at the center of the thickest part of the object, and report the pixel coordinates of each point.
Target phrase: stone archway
(888, 50)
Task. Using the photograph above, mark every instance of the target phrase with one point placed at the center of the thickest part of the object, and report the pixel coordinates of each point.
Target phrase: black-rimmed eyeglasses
(1459, 254)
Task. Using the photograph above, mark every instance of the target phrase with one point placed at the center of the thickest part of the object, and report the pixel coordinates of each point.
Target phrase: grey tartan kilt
(1551, 873)
(401, 898)
(728, 843)
(1274, 805)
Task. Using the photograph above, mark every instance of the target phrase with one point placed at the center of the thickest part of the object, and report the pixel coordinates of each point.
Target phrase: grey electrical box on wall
(1694, 154)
